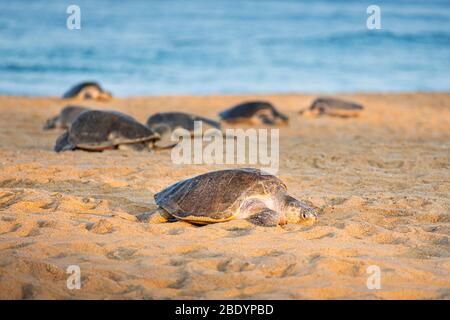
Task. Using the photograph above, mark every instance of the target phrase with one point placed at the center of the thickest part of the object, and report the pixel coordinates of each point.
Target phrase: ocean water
(224, 46)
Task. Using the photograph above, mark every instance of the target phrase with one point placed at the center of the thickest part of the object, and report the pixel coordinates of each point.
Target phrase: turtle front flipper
(63, 143)
(132, 146)
(266, 120)
(165, 141)
(163, 144)
(158, 215)
(266, 218)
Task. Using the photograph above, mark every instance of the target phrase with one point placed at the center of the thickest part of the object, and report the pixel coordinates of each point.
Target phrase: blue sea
(140, 47)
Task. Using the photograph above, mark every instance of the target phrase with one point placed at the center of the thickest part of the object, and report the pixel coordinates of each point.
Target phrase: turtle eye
(304, 215)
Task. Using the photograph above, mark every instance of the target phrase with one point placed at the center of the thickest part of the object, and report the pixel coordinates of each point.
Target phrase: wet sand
(381, 185)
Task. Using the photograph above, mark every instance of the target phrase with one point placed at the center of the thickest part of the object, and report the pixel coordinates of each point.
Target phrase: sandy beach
(380, 182)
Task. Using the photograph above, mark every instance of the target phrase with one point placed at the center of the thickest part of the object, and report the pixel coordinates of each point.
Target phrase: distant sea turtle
(254, 112)
(97, 130)
(224, 195)
(87, 90)
(65, 118)
(333, 107)
(164, 123)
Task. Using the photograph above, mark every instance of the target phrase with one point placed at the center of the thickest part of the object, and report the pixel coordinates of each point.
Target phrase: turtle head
(298, 212)
(104, 95)
(94, 93)
(310, 113)
(280, 119)
(50, 124)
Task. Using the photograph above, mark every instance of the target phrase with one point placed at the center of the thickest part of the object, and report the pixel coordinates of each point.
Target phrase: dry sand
(381, 184)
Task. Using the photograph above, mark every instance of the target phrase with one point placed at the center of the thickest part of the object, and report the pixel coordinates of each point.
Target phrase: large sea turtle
(165, 123)
(87, 90)
(333, 107)
(224, 195)
(65, 118)
(97, 130)
(254, 112)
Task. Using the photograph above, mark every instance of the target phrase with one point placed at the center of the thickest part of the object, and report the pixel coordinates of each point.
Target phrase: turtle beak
(312, 220)
(309, 218)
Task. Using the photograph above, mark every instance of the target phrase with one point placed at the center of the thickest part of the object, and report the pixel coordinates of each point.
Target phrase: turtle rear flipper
(157, 215)
(63, 144)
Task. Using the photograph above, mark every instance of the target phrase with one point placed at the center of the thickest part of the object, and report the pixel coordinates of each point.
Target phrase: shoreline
(243, 94)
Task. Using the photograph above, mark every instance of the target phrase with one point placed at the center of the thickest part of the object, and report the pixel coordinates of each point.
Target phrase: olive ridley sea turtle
(333, 107)
(165, 123)
(225, 195)
(254, 112)
(96, 130)
(87, 90)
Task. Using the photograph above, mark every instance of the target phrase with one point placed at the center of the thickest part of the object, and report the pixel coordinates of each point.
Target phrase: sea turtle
(87, 90)
(333, 107)
(165, 123)
(224, 195)
(254, 112)
(97, 130)
(65, 118)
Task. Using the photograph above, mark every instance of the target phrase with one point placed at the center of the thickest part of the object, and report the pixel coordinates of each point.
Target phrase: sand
(381, 185)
